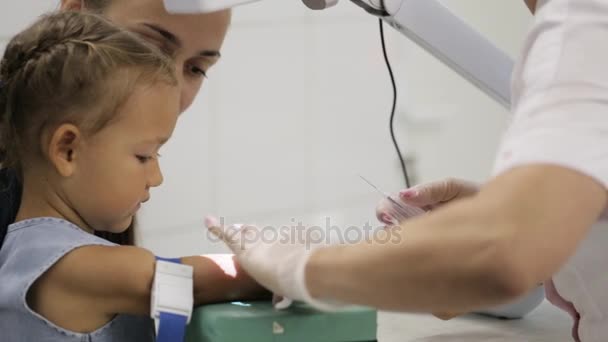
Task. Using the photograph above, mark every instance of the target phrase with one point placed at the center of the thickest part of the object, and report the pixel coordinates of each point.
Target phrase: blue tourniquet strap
(171, 327)
(173, 260)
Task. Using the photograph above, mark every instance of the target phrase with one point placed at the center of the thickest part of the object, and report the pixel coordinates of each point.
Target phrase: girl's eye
(145, 159)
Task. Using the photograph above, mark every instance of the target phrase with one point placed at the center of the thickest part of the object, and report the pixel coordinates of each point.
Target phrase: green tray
(260, 322)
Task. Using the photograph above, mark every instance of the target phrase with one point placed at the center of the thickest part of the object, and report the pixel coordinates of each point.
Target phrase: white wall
(299, 106)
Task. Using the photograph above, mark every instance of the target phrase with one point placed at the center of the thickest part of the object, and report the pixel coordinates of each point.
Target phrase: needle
(402, 211)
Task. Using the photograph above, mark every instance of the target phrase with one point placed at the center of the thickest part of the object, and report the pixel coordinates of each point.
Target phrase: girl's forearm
(218, 278)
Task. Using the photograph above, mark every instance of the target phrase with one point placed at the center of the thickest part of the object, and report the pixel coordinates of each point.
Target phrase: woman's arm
(476, 253)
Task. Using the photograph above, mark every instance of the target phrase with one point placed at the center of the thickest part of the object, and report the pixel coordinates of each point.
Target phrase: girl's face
(114, 170)
(193, 40)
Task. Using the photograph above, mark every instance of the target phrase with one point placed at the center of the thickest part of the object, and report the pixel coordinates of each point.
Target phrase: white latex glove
(279, 267)
(433, 195)
(422, 198)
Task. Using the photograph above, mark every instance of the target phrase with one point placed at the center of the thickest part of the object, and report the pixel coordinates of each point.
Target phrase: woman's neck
(531, 5)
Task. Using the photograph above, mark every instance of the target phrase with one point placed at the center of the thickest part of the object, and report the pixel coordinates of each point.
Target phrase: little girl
(84, 110)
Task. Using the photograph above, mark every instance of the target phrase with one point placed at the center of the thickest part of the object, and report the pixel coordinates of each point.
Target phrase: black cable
(392, 119)
(369, 9)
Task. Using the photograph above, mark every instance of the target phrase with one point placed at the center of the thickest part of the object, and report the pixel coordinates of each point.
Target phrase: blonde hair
(70, 67)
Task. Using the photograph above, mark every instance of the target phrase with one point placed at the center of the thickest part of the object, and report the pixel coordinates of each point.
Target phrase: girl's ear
(63, 149)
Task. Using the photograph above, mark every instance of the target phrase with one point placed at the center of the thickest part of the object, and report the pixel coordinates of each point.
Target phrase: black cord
(392, 120)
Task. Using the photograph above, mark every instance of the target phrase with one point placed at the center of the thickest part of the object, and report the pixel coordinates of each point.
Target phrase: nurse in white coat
(539, 219)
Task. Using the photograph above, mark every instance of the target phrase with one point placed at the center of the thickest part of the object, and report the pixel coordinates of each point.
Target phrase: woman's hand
(423, 198)
(278, 265)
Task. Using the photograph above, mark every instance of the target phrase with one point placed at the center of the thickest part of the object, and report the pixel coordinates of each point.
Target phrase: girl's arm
(87, 287)
(218, 278)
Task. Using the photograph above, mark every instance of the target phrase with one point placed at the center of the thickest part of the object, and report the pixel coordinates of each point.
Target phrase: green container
(260, 322)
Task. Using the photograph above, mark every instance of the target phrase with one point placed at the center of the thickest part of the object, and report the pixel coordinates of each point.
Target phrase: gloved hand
(424, 197)
(278, 266)
(433, 195)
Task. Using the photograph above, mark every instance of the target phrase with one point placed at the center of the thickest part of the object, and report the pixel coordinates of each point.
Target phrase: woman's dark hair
(96, 5)
(10, 198)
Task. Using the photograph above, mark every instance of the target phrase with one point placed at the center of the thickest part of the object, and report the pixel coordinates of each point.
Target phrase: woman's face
(194, 40)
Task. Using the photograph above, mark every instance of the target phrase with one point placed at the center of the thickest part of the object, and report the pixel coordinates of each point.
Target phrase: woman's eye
(193, 69)
(143, 159)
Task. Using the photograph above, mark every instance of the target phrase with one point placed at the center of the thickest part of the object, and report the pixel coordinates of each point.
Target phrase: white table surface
(546, 323)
